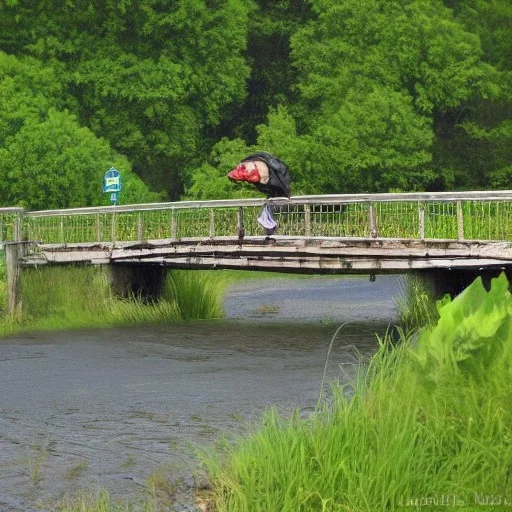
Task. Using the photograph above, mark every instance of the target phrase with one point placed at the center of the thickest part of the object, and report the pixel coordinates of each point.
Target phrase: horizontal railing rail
(476, 215)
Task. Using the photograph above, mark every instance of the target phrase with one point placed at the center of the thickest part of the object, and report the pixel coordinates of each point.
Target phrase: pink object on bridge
(246, 171)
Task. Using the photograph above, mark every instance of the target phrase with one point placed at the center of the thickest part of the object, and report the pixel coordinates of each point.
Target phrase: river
(109, 407)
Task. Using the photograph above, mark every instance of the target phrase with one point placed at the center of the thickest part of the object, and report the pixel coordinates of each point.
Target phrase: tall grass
(197, 294)
(80, 296)
(428, 426)
(415, 303)
(100, 501)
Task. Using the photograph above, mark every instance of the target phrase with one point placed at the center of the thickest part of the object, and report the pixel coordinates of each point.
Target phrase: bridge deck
(357, 233)
(286, 254)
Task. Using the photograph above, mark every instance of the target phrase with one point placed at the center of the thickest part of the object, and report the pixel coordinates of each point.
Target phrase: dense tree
(47, 160)
(272, 76)
(210, 180)
(27, 91)
(393, 96)
(151, 76)
(355, 95)
(376, 79)
(476, 140)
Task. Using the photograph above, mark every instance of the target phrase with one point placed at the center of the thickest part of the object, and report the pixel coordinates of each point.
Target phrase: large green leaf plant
(472, 334)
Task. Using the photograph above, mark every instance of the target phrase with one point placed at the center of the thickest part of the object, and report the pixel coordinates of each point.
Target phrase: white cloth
(265, 218)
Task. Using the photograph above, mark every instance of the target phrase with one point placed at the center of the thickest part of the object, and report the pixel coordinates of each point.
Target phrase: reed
(79, 296)
(198, 293)
(99, 501)
(427, 424)
(415, 303)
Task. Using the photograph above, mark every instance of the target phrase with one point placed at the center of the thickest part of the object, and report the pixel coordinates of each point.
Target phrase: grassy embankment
(77, 297)
(71, 297)
(428, 426)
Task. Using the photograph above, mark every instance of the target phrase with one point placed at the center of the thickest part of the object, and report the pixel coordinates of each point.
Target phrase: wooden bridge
(357, 234)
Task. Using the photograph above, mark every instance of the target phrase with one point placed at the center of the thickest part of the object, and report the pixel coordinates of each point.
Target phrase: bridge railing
(11, 224)
(445, 215)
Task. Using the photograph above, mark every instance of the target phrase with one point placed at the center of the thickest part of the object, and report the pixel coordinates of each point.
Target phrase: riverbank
(426, 425)
(422, 425)
(77, 297)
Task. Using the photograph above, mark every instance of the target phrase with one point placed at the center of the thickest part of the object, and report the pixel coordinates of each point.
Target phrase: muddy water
(109, 407)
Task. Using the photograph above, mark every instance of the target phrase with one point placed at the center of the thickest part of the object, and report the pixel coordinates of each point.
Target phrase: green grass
(99, 501)
(427, 420)
(415, 303)
(73, 297)
(76, 471)
(159, 493)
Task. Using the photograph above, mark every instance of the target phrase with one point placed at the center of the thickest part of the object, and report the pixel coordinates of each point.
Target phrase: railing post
(140, 228)
(174, 225)
(307, 218)
(98, 227)
(18, 228)
(13, 252)
(61, 229)
(460, 221)
(421, 220)
(240, 223)
(113, 227)
(212, 222)
(373, 221)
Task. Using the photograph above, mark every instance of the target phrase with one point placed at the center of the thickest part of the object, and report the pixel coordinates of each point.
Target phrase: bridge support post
(13, 252)
(443, 281)
(140, 281)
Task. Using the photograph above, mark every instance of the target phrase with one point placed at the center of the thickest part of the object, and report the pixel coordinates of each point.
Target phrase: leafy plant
(427, 417)
(471, 332)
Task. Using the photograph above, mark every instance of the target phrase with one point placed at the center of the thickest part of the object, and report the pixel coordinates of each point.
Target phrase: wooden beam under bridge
(287, 254)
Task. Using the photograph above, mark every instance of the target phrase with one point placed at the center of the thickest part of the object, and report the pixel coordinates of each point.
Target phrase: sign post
(112, 184)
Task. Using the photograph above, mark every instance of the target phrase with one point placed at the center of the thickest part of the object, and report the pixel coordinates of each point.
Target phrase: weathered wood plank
(354, 255)
(394, 260)
(277, 251)
(295, 241)
(348, 266)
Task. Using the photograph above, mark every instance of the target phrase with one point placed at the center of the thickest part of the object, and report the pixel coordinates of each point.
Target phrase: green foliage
(153, 78)
(394, 436)
(416, 305)
(99, 501)
(210, 180)
(403, 63)
(58, 164)
(76, 297)
(47, 160)
(196, 293)
(272, 76)
(359, 95)
(471, 333)
(28, 90)
(390, 96)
